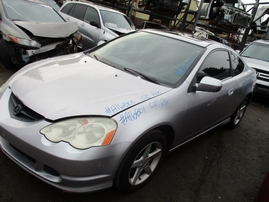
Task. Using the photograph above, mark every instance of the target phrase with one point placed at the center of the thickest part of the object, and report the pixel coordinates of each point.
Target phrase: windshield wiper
(134, 72)
(95, 57)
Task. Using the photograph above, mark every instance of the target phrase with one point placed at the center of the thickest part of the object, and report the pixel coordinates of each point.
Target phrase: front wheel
(238, 114)
(140, 162)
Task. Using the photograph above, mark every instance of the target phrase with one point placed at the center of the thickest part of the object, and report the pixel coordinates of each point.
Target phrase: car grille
(262, 75)
(19, 111)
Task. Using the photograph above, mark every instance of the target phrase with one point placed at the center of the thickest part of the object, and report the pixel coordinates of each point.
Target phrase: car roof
(97, 6)
(203, 42)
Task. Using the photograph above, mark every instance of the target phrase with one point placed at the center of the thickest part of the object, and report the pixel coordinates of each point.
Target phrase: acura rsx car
(107, 116)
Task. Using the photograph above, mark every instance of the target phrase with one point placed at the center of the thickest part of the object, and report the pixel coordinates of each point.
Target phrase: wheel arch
(169, 133)
(166, 129)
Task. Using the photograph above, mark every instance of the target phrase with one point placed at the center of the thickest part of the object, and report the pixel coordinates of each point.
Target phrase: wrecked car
(31, 31)
(97, 24)
(230, 14)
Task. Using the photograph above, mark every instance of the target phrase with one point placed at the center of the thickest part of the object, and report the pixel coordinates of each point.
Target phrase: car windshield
(114, 20)
(162, 59)
(257, 51)
(30, 11)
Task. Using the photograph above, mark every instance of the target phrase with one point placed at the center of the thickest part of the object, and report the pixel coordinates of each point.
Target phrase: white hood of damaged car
(49, 29)
(75, 85)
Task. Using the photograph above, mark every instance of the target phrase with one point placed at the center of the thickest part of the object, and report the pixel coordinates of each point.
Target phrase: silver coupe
(106, 117)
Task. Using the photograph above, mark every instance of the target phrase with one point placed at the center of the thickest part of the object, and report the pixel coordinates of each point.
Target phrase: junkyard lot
(222, 165)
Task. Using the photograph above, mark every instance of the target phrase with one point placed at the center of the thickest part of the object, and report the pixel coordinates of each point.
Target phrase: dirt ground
(222, 165)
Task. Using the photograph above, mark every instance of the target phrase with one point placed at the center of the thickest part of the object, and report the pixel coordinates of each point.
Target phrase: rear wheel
(140, 162)
(239, 113)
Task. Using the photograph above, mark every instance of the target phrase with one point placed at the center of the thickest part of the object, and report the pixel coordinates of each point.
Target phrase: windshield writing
(161, 58)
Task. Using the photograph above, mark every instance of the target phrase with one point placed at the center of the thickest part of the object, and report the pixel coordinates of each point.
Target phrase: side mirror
(95, 24)
(209, 84)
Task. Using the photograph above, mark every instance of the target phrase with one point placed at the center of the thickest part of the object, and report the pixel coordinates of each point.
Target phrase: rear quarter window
(237, 64)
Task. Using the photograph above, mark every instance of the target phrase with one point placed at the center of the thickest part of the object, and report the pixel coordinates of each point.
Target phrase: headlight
(3, 87)
(77, 38)
(82, 133)
(25, 42)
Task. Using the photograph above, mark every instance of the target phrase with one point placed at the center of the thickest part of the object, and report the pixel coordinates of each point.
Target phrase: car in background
(107, 116)
(31, 31)
(97, 24)
(256, 55)
(225, 14)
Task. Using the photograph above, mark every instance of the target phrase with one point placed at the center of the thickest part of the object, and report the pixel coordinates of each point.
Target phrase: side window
(66, 9)
(216, 65)
(237, 64)
(91, 15)
(79, 11)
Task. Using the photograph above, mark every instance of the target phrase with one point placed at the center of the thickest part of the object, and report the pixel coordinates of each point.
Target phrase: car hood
(120, 31)
(56, 29)
(76, 85)
(257, 64)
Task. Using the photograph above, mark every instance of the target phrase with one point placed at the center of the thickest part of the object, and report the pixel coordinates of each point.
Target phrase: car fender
(106, 35)
(8, 28)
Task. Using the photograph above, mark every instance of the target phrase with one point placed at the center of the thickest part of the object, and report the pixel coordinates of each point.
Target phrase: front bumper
(262, 86)
(58, 164)
(23, 55)
(68, 182)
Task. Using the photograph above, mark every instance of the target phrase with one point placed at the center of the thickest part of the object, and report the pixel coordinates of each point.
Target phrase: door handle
(231, 91)
(211, 102)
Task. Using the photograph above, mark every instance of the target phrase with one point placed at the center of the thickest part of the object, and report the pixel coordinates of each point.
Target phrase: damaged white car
(31, 31)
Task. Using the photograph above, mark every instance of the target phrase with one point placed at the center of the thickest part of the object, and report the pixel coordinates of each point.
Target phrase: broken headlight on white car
(77, 38)
(25, 42)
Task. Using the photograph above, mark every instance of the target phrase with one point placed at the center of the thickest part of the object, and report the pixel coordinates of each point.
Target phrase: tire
(5, 56)
(238, 114)
(140, 162)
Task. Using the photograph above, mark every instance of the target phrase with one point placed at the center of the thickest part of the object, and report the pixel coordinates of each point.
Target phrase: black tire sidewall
(232, 124)
(121, 180)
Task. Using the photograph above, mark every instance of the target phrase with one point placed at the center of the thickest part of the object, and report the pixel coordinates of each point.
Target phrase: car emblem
(17, 109)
